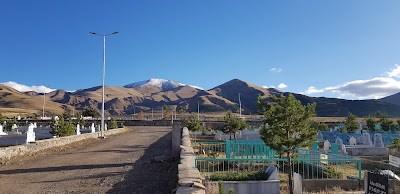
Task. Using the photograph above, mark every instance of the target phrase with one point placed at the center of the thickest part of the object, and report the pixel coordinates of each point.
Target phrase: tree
(370, 124)
(384, 121)
(350, 124)
(193, 124)
(166, 112)
(2, 119)
(233, 123)
(61, 127)
(320, 126)
(67, 114)
(395, 144)
(289, 126)
(181, 110)
(89, 112)
(113, 123)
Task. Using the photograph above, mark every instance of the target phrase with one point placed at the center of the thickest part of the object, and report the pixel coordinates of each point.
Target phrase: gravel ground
(118, 164)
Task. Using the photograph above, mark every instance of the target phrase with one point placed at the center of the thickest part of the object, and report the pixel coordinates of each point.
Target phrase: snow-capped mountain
(160, 83)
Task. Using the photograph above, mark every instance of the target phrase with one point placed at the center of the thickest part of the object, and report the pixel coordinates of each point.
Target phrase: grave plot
(245, 156)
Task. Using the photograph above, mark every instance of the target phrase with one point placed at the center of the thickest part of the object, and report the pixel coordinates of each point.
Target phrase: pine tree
(350, 123)
(233, 123)
(289, 126)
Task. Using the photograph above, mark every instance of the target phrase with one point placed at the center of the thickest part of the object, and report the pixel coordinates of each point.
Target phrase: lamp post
(104, 75)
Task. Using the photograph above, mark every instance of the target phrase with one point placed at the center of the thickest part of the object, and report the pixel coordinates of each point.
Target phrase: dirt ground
(118, 164)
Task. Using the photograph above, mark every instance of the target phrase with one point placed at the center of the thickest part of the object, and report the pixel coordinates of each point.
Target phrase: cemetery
(332, 159)
(30, 133)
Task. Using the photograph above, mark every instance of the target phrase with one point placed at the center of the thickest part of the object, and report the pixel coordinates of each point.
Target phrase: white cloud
(282, 85)
(24, 88)
(276, 69)
(312, 90)
(374, 88)
(395, 72)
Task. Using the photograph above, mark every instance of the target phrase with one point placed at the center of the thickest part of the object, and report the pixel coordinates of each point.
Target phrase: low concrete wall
(6, 153)
(254, 187)
(368, 151)
(322, 184)
(189, 178)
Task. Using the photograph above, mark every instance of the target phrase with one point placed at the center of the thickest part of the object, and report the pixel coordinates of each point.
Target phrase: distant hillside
(393, 99)
(14, 103)
(155, 93)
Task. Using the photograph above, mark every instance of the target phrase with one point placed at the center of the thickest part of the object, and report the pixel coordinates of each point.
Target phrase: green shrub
(239, 176)
(62, 128)
(331, 172)
(113, 124)
(193, 124)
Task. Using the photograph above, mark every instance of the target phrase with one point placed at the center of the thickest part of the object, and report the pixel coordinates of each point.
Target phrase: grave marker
(78, 129)
(366, 139)
(1, 130)
(378, 142)
(352, 141)
(92, 128)
(327, 146)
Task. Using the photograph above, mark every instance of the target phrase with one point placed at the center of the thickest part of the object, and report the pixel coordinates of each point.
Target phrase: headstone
(92, 128)
(352, 141)
(35, 125)
(344, 149)
(297, 184)
(105, 127)
(315, 146)
(78, 129)
(330, 130)
(339, 141)
(358, 131)
(378, 142)
(30, 134)
(366, 139)
(327, 146)
(335, 148)
(19, 118)
(1, 130)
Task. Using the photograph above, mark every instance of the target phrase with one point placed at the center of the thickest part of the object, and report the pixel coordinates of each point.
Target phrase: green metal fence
(255, 155)
(308, 169)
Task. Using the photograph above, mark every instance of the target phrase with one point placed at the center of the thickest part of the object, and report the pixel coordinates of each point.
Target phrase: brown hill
(248, 94)
(14, 103)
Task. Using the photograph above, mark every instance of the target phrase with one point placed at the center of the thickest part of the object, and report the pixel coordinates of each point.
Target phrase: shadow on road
(149, 176)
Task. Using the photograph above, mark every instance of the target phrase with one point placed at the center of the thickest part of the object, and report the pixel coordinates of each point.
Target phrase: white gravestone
(105, 127)
(78, 129)
(339, 142)
(1, 130)
(34, 125)
(352, 141)
(366, 139)
(327, 146)
(92, 128)
(30, 134)
(378, 140)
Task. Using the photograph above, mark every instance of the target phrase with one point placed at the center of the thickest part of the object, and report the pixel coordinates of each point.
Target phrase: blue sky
(343, 48)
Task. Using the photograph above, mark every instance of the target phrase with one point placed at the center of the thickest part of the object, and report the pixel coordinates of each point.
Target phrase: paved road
(118, 164)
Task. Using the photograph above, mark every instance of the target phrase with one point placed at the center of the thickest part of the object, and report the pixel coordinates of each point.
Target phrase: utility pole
(240, 107)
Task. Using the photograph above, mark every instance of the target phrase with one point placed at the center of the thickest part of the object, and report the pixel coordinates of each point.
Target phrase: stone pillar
(176, 139)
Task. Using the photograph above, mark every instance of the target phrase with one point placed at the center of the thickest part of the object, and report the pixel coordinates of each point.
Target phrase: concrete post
(176, 139)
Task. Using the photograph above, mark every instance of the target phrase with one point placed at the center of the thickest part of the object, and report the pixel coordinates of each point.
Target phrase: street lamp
(104, 75)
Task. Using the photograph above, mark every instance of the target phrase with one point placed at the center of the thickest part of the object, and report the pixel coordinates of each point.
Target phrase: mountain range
(153, 94)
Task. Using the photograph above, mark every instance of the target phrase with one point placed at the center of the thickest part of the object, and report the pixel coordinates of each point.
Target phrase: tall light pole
(104, 75)
(240, 107)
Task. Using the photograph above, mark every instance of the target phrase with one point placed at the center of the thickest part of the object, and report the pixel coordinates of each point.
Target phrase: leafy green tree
(2, 119)
(384, 121)
(370, 124)
(113, 123)
(233, 123)
(10, 123)
(350, 123)
(320, 126)
(62, 128)
(193, 124)
(90, 112)
(289, 126)
(395, 144)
